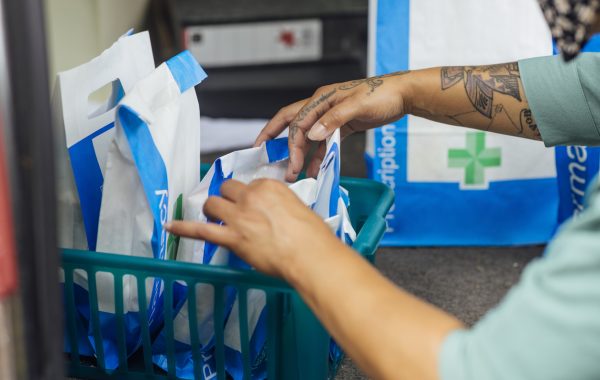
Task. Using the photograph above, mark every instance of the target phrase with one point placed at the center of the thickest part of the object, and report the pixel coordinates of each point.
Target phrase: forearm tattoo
(481, 83)
(526, 120)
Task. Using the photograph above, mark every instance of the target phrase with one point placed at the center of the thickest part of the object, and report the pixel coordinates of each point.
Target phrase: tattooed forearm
(526, 120)
(488, 98)
(306, 110)
(481, 82)
(372, 82)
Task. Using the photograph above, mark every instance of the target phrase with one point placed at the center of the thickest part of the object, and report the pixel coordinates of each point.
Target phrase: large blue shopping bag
(457, 186)
(576, 166)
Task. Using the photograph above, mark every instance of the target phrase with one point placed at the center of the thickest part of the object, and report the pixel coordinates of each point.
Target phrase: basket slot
(193, 324)
(274, 311)
(71, 330)
(243, 319)
(141, 287)
(98, 342)
(119, 314)
(219, 330)
(170, 343)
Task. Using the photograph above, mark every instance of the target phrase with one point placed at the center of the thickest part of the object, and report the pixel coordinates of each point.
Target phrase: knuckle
(261, 188)
(210, 203)
(260, 184)
(227, 184)
(281, 114)
(289, 110)
(252, 197)
(323, 89)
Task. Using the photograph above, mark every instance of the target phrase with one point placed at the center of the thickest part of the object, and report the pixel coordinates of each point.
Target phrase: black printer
(263, 54)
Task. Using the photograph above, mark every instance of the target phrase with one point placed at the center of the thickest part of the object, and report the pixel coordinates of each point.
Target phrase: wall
(78, 30)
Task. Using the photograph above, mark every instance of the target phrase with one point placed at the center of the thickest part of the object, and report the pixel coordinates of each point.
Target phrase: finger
(279, 122)
(315, 163)
(333, 119)
(306, 117)
(298, 147)
(217, 208)
(218, 234)
(232, 190)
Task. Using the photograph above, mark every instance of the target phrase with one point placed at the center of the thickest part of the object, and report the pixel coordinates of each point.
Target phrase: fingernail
(167, 226)
(318, 132)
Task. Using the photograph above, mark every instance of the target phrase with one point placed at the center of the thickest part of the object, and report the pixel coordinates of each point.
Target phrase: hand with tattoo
(489, 98)
(352, 106)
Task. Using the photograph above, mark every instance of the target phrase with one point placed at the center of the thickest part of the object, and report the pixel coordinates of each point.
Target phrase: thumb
(333, 119)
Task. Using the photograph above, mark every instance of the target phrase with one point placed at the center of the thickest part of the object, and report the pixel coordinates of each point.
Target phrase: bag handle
(123, 64)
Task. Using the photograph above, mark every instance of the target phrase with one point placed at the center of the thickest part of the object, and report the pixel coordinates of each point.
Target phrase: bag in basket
(267, 161)
(83, 138)
(152, 165)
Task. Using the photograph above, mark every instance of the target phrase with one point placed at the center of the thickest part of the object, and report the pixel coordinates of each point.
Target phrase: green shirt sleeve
(564, 98)
(548, 326)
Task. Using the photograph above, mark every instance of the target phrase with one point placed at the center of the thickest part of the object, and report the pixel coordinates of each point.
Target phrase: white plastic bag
(152, 165)
(83, 138)
(88, 134)
(323, 195)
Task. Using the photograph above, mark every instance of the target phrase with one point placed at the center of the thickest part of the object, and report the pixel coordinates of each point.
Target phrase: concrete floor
(466, 282)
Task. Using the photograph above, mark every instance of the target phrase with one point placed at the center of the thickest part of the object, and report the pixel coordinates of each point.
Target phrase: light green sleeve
(548, 326)
(564, 98)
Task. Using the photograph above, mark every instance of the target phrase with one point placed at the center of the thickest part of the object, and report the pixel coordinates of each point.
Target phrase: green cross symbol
(475, 158)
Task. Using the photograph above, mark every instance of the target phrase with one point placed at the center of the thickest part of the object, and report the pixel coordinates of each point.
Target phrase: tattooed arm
(489, 98)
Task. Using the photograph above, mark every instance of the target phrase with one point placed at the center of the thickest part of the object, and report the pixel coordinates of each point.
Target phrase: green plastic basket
(297, 344)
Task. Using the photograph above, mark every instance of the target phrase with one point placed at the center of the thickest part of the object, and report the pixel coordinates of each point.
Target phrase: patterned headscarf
(570, 22)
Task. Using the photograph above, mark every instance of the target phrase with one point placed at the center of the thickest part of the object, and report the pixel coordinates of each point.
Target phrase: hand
(352, 106)
(265, 224)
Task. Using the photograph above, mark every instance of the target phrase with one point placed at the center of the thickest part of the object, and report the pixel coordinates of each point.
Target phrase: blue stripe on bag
(133, 339)
(277, 149)
(345, 198)
(89, 181)
(334, 195)
(258, 359)
(214, 189)
(153, 175)
(185, 70)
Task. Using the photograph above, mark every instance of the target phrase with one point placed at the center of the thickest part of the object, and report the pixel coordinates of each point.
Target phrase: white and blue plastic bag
(152, 165)
(89, 132)
(323, 195)
(267, 161)
(83, 137)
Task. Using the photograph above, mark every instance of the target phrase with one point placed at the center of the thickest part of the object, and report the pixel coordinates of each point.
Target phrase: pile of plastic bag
(131, 165)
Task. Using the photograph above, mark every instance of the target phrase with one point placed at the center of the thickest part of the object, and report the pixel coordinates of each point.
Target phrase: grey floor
(466, 282)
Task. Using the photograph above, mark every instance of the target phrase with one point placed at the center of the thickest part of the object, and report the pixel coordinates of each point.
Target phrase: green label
(173, 241)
